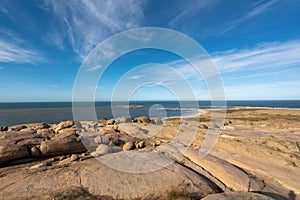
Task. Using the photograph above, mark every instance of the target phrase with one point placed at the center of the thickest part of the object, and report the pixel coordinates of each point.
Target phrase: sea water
(53, 112)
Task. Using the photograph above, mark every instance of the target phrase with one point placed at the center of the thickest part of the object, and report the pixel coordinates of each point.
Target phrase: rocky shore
(257, 157)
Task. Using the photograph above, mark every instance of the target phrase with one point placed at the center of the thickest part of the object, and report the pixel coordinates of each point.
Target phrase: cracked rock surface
(258, 152)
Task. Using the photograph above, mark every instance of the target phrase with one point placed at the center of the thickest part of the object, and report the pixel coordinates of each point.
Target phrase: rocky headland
(257, 157)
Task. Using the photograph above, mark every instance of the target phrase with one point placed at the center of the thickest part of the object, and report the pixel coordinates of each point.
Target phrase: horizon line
(149, 100)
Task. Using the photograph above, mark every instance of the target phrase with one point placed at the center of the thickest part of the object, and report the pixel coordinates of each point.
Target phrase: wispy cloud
(94, 68)
(257, 9)
(276, 63)
(263, 56)
(1, 67)
(191, 8)
(11, 52)
(134, 77)
(83, 24)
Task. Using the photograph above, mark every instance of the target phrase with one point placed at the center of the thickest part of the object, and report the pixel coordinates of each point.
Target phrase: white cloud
(191, 8)
(276, 63)
(258, 9)
(18, 53)
(85, 23)
(94, 68)
(136, 77)
(264, 56)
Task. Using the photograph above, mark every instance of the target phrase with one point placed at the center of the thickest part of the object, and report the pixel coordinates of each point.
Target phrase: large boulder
(63, 125)
(103, 149)
(143, 119)
(62, 145)
(17, 127)
(16, 144)
(11, 152)
(37, 126)
(124, 119)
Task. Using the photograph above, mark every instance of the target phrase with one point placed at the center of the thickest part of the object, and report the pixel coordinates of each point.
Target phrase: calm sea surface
(53, 112)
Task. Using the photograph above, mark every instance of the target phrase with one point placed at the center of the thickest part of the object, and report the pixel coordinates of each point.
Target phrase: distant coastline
(53, 112)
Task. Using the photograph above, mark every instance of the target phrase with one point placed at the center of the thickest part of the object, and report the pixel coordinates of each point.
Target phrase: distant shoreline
(54, 112)
(199, 112)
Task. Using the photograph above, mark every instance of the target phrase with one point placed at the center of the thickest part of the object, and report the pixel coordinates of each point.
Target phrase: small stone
(114, 138)
(85, 154)
(116, 127)
(102, 121)
(28, 130)
(140, 145)
(41, 126)
(102, 149)
(128, 146)
(111, 122)
(95, 154)
(62, 157)
(157, 143)
(35, 152)
(45, 131)
(74, 157)
(5, 128)
(63, 125)
(65, 161)
(36, 166)
(156, 121)
(203, 126)
(18, 127)
(86, 157)
(78, 124)
(48, 164)
(124, 119)
(55, 159)
(101, 139)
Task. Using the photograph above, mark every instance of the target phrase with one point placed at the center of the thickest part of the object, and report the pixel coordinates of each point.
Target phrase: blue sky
(254, 44)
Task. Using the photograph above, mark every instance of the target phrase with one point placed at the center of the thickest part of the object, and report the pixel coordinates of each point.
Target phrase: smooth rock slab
(99, 179)
(232, 176)
(237, 196)
(133, 130)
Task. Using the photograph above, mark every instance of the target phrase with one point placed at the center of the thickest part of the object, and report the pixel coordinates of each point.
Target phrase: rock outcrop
(71, 159)
(237, 196)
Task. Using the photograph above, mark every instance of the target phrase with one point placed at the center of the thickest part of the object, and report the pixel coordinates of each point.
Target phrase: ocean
(54, 112)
